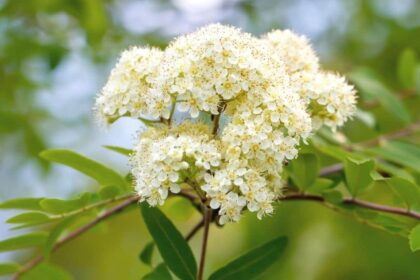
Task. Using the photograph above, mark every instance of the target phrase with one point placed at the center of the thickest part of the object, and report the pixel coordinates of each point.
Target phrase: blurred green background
(55, 56)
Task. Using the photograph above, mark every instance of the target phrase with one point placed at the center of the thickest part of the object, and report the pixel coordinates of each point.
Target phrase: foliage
(250, 265)
(174, 249)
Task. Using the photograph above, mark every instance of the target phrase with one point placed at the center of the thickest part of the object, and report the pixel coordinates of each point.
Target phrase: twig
(357, 202)
(149, 122)
(91, 206)
(33, 262)
(216, 118)
(188, 196)
(207, 220)
(216, 123)
(194, 230)
(171, 114)
(382, 208)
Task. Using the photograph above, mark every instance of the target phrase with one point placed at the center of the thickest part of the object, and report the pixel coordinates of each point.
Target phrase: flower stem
(207, 220)
(148, 122)
(216, 124)
(194, 230)
(171, 115)
(216, 118)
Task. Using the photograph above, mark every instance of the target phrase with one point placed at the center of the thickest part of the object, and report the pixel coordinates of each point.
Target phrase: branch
(357, 202)
(208, 213)
(216, 118)
(186, 194)
(194, 230)
(171, 114)
(38, 259)
(149, 122)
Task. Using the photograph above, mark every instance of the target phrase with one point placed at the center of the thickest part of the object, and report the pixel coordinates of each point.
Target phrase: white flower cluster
(131, 88)
(166, 157)
(272, 95)
(329, 99)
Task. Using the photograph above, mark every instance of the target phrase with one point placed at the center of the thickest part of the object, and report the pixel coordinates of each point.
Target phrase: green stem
(149, 122)
(91, 206)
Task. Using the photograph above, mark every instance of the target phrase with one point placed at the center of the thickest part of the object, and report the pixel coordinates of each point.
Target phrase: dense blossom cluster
(165, 157)
(329, 99)
(270, 94)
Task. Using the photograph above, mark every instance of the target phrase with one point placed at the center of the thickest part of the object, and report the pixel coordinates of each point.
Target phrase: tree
(193, 159)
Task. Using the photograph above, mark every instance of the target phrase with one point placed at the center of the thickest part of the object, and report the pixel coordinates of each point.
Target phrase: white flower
(189, 102)
(272, 95)
(216, 183)
(231, 208)
(295, 50)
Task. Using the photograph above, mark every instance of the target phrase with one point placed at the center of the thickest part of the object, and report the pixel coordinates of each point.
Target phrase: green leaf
(366, 214)
(60, 206)
(29, 217)
(101, 173)
(147, 253)
(334, 197)
(333, 151)
(109, 192)
(407, 190)
(28, 240)
(46, 271)
(120, 150)
(8, 268)
(376, 176)
(390, 224)
(338, 152)
(55, 233)
(405, 154)
(321, 184)
(304, 170)
(171, 244)
(358, 176)
(394, 170)
(374, 90)
(384, 222)
(418, 79)
(161, 272)
(406, 68)
(414, 238)
(253, 263)
(366, 117)
(30, 203)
